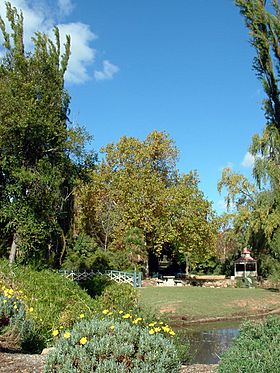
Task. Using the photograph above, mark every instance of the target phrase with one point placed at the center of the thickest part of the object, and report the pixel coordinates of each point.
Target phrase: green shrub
(256, 350)
(119, 296)
(16, 325)
(107, 347)
(96, 284)
(246, 282)
(84, 253)
(57, 301)
(52, 298)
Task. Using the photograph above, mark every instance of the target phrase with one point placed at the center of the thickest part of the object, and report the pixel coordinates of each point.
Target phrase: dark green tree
(39, 154)
(257, 206)
(263, 21)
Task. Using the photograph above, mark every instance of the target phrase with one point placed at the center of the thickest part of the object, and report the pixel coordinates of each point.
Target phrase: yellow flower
(166, 329)
(152, 324)
(126, 316)
(5, 301)
(66, 335)
(82, 316)
(55, 332)
(110, 313)
(83, 340)
(31, 309)
(61, 327)
(161, 323)
(105, 312)
(171, 332)
(15, 306)
(151, 331)
(11, 291)
(157, 329)
(120, 312)
(112, 327)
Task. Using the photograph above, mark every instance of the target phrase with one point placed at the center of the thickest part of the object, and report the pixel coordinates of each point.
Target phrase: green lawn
(199, 303)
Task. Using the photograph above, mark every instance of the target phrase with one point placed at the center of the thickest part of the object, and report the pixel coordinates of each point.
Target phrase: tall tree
(137, 188)
(257, 207)
(263, 22)
(37, 148)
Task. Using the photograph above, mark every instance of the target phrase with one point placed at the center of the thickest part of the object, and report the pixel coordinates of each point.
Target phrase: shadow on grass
(273, 290)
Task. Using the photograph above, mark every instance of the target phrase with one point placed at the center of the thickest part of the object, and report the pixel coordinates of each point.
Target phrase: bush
(256, 350)
(119, 296)
(96, 284)
(84, 253)
(105, 346)
(58, 301)
(52, 298)
(246, 282)
(16, 325)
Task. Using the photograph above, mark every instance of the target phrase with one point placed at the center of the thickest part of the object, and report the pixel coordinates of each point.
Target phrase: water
(208, 341)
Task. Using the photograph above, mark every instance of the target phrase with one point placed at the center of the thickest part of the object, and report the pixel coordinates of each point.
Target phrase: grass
(200, 303)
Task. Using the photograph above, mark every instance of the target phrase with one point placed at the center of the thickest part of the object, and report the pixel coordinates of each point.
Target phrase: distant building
(245, 266)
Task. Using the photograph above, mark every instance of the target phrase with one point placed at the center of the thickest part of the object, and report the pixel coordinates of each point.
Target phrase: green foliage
(263, 22)
(40, 156)
(257, 206)
(53, 299)
(100, 346)
(83, 253)
(246, 282)
(256, 350)
(138, 204)
(95, 285)
(254, 220)
(16, 323)
(117, 296)
(210, 266)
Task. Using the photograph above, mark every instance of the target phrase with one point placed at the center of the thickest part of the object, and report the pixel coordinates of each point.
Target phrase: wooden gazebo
(245, 266)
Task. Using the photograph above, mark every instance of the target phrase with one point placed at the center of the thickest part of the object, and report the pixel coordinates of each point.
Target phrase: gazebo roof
(245, 257)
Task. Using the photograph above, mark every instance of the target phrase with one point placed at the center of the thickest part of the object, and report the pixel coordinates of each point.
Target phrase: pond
(208, 341)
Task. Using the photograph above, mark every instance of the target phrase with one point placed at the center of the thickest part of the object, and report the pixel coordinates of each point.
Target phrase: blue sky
(181, 66)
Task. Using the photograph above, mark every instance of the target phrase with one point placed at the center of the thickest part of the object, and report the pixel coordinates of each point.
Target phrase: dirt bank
(23, 363)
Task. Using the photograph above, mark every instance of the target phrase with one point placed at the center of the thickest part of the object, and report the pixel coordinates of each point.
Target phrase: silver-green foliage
(256, 350)
(15, 323)
(112, 347)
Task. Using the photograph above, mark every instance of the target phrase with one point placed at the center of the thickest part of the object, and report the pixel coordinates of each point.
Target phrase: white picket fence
(132, 278)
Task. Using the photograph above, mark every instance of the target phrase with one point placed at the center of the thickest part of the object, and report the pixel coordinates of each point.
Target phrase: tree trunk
(187, 265)
(13, 251)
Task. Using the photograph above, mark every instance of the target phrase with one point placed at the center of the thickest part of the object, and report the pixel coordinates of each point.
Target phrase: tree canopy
(257, 205)
(37, 148)
(137, 186)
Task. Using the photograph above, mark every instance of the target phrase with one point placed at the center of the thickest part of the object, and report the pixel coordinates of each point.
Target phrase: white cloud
(39, 17)
(109, 70)
(65, 7)
(82, 54)
(35, 17)
(248, 160)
